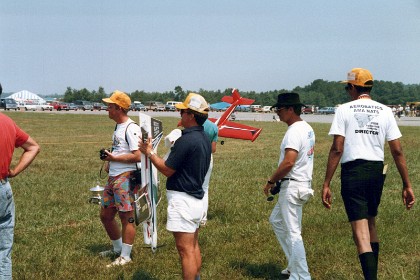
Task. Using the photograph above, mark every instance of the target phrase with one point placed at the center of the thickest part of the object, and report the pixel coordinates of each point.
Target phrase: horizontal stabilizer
(235, 97)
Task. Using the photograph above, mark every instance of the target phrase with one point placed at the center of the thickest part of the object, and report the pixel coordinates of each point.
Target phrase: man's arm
(134, 156)
(400, 162)
(336, 151)
(30, 150)
(283, 169)
(213, 147)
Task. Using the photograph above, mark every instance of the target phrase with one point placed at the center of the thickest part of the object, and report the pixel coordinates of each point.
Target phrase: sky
(261, 45)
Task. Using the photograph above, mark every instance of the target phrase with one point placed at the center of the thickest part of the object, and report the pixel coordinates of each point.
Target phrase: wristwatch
(149, 155)
(270, 182)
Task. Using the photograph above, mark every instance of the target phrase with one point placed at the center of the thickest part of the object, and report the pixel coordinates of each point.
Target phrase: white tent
(27, 96)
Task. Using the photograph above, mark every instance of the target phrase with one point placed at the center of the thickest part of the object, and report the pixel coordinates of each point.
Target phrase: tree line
(319, 93)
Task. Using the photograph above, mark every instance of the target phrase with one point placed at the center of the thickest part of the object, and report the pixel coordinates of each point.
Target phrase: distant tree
(68, 95)
(179, 94)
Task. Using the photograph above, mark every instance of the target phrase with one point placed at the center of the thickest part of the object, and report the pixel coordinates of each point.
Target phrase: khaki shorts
(185, 212)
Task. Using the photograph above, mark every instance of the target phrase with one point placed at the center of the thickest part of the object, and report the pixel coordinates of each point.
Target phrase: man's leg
(128, 233)
(277, 222)
(197, 255)
(367, 258)
(185, 243)
(7, 224)
(292, 214)
(374, 239)
(109, 222)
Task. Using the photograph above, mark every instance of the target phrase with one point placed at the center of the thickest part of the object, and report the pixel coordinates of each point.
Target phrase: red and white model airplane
(231, 129)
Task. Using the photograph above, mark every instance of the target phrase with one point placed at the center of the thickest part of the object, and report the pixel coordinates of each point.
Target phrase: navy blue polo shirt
(190, 158)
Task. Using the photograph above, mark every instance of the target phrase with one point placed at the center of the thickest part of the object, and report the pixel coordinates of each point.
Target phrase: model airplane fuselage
(231, 129)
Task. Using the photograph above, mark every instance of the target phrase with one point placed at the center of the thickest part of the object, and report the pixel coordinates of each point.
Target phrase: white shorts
(185, 212)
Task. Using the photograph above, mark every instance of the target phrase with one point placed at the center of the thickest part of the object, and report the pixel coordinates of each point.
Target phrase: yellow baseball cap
(119, 98)
(194, 102)
(359, 77)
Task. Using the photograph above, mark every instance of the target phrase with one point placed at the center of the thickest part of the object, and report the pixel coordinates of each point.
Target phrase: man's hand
(267, 188)
(146, 148)
(326, 196)
(408, 197)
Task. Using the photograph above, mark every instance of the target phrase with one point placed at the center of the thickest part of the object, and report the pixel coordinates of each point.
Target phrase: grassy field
(59, 235)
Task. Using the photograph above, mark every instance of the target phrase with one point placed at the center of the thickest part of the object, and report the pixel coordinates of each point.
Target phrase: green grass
(58, 234)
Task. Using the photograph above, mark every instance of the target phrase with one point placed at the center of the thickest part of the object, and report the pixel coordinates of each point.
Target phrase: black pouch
(276, 188)
(135, 179)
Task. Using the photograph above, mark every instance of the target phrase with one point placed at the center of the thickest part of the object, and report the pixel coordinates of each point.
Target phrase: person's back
(366, 124)
(360, 129)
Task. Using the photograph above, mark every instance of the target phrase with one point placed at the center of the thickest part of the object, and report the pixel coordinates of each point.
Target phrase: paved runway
(240, 116)
(267, 117)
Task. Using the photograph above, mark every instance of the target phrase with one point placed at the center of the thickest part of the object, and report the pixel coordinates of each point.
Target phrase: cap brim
(107, 100)
(181, 106)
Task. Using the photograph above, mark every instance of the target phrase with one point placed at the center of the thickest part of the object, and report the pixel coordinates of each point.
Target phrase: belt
(287, 179)
(3, 181)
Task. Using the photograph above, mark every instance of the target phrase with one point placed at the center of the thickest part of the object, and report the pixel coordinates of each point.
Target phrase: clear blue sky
(259, 45)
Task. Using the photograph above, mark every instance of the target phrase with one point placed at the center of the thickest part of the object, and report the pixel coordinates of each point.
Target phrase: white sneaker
(109, 254)
(285, 272)
(120, 261)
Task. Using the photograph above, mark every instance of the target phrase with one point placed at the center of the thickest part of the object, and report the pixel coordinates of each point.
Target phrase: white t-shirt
(121, 147)
(365, 124)
(300, 137)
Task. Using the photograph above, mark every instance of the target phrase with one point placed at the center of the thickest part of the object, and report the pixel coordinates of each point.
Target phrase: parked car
(27, 106)
(84, 105)
(72, 106)
(326, 110)
(58, 105)
(139, 107)
(99, 106)
(8, 104)
(255, 108)
(309, 109)
(243, 108)
(44, 107)
(170, 106)
(154, 106)
(266, 109)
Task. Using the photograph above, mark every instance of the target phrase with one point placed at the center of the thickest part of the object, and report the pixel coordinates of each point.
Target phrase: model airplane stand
(96, 194)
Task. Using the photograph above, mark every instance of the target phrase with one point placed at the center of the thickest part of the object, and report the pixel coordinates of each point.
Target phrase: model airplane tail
(237, 99)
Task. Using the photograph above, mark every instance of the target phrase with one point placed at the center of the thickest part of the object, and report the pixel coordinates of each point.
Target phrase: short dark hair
(361, 89)
(199, 117)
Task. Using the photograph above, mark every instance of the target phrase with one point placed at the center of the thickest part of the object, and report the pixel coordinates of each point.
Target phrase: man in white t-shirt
(360, 128)
(118, 195)
(294, 178)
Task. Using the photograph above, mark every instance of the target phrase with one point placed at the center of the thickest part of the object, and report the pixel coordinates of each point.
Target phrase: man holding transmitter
(186, 168)
(118, 195)
(294, 177)
(11, 137)
(360, 128)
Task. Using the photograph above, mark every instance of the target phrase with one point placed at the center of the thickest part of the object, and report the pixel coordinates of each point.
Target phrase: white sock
(126, 251)
(117, 245)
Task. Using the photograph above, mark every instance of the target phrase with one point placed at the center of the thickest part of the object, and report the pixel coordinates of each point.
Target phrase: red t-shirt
(11, 137)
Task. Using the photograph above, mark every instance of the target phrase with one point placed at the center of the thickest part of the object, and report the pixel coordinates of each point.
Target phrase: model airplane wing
(238, 131)
(151, 128)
